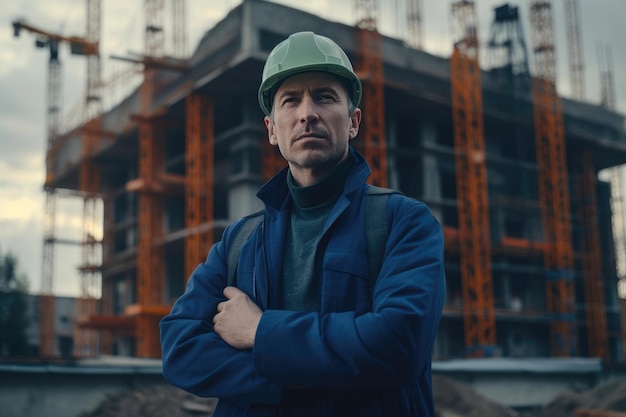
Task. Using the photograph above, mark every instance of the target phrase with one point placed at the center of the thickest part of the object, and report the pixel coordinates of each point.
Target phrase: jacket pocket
(346, 284)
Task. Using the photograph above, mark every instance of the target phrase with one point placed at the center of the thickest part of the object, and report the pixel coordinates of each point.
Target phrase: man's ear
(355, 122)
(270, 131)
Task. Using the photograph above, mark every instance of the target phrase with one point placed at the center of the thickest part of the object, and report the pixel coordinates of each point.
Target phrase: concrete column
(244, 185)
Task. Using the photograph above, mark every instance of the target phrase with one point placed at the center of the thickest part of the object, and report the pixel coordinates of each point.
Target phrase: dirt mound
(454, 399)
(610, 396)
(154, 401)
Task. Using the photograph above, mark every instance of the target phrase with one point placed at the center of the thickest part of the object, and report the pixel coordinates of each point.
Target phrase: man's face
(311, 124)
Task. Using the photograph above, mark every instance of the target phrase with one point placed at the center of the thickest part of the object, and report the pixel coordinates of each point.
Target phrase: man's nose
(308, 111)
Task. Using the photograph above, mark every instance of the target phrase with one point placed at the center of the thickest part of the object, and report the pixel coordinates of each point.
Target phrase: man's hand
(237, 319)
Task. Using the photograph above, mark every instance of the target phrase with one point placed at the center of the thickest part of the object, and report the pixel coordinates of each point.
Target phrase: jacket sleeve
(385, 348)
(195, 358)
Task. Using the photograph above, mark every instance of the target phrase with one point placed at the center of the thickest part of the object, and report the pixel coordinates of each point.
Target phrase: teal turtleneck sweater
(311, 206)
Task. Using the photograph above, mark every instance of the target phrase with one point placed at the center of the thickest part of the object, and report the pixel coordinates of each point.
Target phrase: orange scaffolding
(370, 70)
(556, 217)
(85, 339)
(553, 186)
(150, 277)
(150, 267)
(199, 172)
(471, 184)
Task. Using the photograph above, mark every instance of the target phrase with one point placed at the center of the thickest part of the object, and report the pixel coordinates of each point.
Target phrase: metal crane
(78, 46)
(414, 23)
(575, 48)
(507, 48)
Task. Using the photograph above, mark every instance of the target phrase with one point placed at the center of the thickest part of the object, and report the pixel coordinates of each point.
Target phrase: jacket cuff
(265, 359)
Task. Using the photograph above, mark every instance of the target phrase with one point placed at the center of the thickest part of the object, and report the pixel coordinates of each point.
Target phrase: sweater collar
(323, 191)
(274, 193)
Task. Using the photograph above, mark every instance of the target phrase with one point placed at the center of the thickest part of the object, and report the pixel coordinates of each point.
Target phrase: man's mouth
(311, 135)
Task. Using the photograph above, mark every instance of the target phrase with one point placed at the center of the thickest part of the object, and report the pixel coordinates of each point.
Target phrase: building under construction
(508, 167)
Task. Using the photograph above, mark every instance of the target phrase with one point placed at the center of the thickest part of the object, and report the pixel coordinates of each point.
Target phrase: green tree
(13, 315)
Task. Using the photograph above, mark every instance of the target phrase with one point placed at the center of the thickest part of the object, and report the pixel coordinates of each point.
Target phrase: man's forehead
(310, 80)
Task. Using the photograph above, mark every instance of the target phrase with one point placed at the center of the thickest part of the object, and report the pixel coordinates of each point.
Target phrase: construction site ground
(452, 399)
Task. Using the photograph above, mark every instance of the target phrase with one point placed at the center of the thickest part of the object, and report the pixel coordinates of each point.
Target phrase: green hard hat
(303, 52)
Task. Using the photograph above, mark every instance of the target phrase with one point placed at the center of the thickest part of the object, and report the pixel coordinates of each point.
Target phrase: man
(303, 333)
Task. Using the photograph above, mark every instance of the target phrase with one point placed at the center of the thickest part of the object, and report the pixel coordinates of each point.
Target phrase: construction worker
(304, 321)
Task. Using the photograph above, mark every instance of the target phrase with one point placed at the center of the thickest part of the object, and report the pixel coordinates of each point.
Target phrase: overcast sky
(23, 80)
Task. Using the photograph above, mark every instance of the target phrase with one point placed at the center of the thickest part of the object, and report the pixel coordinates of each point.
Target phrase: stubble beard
(318, 158)
(315, 156)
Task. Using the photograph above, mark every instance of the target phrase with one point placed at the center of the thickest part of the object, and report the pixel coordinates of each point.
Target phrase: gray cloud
(22, 113)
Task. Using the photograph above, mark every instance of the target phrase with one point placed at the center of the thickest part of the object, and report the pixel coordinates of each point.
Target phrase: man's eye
(325, 97)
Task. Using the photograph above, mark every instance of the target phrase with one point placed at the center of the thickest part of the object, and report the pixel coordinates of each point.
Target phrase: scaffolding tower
(373, 143)
(553, 185)
(471, 185)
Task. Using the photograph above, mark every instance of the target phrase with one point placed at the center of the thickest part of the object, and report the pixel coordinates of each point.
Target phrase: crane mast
(607, 87)
(414, 23)
(572, 22)
(179, 34)
(47, 346)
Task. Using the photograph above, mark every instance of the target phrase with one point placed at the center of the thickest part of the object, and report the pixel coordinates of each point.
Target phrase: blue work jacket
(367, 352)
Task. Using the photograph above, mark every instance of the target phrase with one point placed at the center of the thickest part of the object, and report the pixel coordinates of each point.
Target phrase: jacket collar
(275, 193)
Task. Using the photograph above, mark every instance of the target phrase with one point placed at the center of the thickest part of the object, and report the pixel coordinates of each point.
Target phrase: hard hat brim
(270, 85)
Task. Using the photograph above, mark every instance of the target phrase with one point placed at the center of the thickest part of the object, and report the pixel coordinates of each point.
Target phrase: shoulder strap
(241, 235)
(376, 228)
